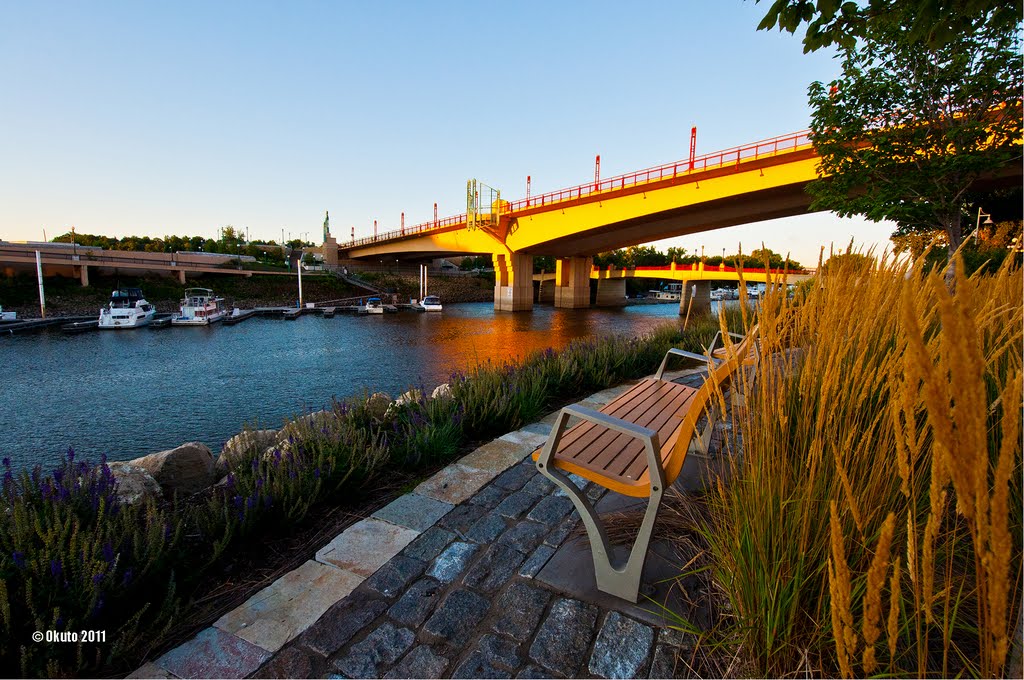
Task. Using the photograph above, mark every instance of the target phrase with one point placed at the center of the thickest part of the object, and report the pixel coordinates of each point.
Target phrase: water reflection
(131, 393)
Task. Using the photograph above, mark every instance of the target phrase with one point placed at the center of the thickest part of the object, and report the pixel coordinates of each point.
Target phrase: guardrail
(717, 159)
(94, 259)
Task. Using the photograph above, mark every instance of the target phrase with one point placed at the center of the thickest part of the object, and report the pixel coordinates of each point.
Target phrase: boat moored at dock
(431, 303)
(373, 306)
(127, 308)
(199, 308)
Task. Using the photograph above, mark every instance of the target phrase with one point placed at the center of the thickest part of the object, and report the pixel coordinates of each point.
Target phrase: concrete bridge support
(572, 282)
(611, 292)
(181, 276)
(513, 282)
(83, 275)
(700, 293)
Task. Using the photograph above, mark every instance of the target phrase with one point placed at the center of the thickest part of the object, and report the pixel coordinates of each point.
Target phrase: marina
(203, 384)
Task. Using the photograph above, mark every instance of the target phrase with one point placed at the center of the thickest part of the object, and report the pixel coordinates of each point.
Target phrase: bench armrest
(648, 436)
(682, 353)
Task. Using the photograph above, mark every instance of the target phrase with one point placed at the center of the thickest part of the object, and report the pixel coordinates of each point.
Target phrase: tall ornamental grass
(871, 524)
(73, 557)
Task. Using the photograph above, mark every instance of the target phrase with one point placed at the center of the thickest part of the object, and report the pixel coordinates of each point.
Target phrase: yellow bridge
(759, 181)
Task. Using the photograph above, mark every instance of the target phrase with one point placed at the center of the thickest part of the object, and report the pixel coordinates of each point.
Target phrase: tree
(908, 128)
(933, 23)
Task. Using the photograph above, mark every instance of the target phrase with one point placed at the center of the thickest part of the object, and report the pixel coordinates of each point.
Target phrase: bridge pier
(700, 293)
(181, 276)
(83, 275)
(611, 292)
(513, 282)
(546, 291)
(572, 282)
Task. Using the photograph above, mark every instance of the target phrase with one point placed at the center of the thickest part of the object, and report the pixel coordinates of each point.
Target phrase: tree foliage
(934, 23)
(908, 128)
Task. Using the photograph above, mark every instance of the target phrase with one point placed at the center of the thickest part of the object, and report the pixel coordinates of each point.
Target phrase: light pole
(74, 245)
(978, 222)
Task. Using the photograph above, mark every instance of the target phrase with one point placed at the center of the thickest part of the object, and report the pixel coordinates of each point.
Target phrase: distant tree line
(231, 242)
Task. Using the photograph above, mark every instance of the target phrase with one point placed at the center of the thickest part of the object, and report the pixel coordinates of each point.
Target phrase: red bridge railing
(718, 159)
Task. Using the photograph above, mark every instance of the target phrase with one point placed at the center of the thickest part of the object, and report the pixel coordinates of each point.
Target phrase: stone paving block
(540, 428)
(455, 483)
(371, 656)
(575, 479)
(532, 671)
(664, 663)
(462, 518)
(476, 666)
(535, 562)
(393, 578)
(415, 605)
(515, 477)
(452, 562)
(489, 497)
(289, 605)
(558, 536)
(366, 546)
(531, 440)
(521, 605)
(214, 653)
(414, 511)
(293, 662)
(422, 662)
(150, 671)
(487, 528)
(551, 510)
(455, 620)
(499, 651)
(342, 622)
(429, 544)
(622, 648)
(563, 638)
(539, 485)
(496, 567)
(496, 456)
(516, 505)
(524, 536)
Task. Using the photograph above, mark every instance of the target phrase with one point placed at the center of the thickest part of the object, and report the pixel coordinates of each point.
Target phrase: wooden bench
(636, 446)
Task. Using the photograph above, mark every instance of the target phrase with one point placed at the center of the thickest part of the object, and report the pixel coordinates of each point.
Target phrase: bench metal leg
(614, 576)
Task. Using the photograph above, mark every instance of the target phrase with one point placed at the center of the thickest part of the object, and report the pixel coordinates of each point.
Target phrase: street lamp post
(978, 222)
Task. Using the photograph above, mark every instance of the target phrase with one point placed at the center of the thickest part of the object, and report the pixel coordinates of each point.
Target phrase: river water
(130, 393)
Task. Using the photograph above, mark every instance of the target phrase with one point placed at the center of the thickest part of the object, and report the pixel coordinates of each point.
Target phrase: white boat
(8, 316)
(374, 306)
(199, 308)
(672, 292)
(431, 303)
(127, 308)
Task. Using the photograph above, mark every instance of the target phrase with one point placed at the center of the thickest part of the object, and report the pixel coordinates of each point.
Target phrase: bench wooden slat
(631, 407)
(651, 403)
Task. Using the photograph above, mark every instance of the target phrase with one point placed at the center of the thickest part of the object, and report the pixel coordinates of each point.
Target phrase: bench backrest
(738, 357)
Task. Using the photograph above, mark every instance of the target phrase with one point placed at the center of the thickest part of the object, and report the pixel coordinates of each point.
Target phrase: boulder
(186, 469)
(243, 443)
(442, 391)
(410, 396)
(377, 404)
(134, 484)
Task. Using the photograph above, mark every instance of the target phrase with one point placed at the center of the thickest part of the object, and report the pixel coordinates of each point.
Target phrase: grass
(73, 557)
(871, 521)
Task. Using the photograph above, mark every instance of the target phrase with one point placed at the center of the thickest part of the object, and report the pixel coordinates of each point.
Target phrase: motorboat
(127, 308)
(199, 308)
(431, 303)
(672, 292)
(374, 306)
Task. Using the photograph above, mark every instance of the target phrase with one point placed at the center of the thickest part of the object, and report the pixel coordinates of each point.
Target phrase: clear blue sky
(182, 117)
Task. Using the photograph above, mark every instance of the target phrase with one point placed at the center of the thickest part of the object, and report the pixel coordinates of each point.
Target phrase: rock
(241, 444)
(410, 396)
(377, 404)
(442, 391)
(134, 484)
(187, 468)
